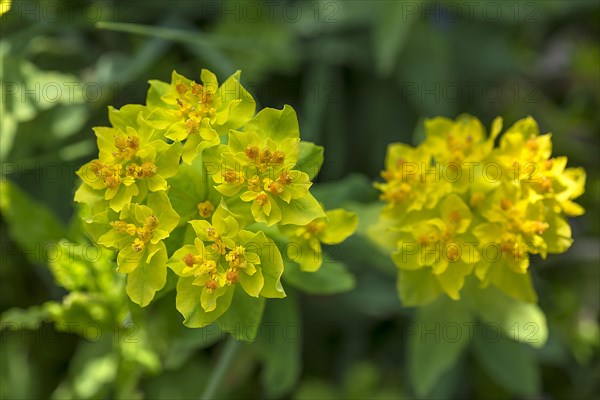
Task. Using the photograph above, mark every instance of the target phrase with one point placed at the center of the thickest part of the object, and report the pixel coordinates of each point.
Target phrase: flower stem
(223, 364)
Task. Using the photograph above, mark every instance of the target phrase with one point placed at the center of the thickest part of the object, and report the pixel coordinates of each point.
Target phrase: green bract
(306, 240)
(195, 181)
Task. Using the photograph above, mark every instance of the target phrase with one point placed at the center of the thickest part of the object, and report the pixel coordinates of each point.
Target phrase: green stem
(223, 364)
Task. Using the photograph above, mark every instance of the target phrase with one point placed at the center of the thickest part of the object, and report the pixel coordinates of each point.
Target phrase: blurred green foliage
(361, 74)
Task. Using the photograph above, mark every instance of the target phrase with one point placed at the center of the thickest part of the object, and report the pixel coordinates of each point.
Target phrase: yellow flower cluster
(199, 152)
(457, 205)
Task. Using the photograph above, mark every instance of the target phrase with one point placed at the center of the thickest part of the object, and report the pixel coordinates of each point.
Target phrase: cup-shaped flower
(459, 141)
(132, 161)
(198, 113)
(407, 187)
(138, 234)
(459, 149)
(258, 164)
(304, 246)
(224, 258)
(525, 156)
(439, 242)
(514, 229)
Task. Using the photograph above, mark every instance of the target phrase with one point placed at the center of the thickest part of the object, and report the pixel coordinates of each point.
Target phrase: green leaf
(149, 277)
(71, 274)
(392, 30)
(168, 218)
(252, 284)
(182, 347)
(512, 365)
(128, 259)
(515, 284)
(74, 268)
(157, 90)
(18, 318)
(123, 197)
(332, 278)
(92, 370)
(122, 118)
(439, 339)
(242, 319)
(279, 347)
(519, 320)
(30, 223)
(310, 158)
(94, 375)
(47, 108)
(558, 237)
(355, 187)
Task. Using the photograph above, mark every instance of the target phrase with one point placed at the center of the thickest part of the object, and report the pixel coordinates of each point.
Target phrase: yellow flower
(439, 242)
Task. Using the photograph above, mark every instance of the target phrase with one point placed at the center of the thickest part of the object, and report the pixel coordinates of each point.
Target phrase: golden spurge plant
(195, 181)
(457, 205)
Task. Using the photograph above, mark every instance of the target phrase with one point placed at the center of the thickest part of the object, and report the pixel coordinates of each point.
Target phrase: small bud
(262, 198)
(506, 204)
(181, 88)
(148, 169)
(211, 285)
(232, 276)
(252, 152)
(188, 260)
(205, 209)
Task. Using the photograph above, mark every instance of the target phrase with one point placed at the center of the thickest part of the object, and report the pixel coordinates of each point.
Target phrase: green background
(361, 74)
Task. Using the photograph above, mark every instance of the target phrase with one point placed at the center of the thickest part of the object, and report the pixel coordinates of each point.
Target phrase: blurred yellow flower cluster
(458, 205)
